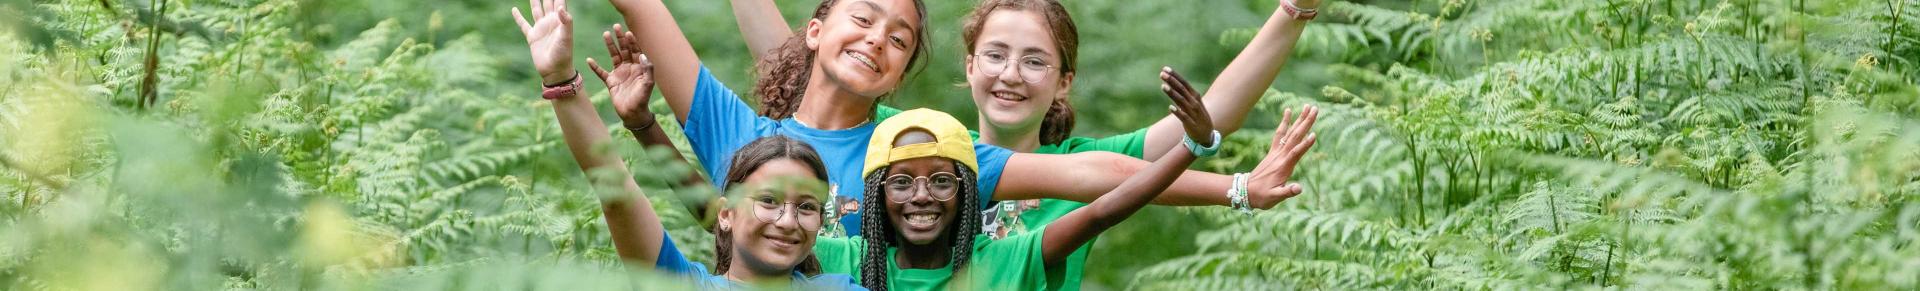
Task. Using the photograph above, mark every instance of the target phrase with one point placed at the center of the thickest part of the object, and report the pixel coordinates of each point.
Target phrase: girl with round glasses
(765, 235)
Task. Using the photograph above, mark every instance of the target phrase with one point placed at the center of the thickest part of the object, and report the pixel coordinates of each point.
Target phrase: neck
(826, 106)
(1019, 140)
(741, 273)
(931, 256)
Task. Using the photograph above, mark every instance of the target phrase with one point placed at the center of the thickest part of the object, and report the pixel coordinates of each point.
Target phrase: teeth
(922, 218)
(1006, 96)
(864, 60)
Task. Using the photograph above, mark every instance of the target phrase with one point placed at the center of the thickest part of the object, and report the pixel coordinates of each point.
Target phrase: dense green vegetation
(1496, 144)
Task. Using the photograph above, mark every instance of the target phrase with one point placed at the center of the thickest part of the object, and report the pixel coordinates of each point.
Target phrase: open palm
(631, 80)
(1269, 184)
(550, 37)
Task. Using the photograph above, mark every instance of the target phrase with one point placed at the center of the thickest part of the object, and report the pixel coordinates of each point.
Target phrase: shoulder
(831, 282)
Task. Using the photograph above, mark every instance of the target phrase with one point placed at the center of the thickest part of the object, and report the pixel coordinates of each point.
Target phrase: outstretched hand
(1187, 107)
(550, 37)
(1269, 184)
(631, 80)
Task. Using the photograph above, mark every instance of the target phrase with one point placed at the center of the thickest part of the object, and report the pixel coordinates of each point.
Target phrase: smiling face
(865, 46)
(775, 246)
(1006, 100)
(922, 219)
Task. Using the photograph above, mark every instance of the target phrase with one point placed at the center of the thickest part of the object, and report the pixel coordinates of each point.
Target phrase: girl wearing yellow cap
(851, 54)
(921, 234)
(764, 237)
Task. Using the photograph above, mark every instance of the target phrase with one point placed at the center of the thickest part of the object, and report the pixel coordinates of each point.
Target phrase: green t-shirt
(1012, 263)
(1132, 144)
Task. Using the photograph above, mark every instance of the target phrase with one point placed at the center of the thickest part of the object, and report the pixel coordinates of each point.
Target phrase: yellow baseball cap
(950, 140)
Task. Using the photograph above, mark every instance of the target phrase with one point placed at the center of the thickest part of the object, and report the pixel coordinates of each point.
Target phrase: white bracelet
(1237, 194)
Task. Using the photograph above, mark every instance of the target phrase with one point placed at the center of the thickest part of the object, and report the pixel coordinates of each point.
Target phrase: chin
(859, 82)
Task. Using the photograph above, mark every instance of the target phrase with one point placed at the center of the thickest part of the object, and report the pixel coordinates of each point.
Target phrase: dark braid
(879, 231)
(969, 218)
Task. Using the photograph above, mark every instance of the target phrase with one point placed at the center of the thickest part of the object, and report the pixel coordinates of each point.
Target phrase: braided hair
(749, 159)
(880, 230)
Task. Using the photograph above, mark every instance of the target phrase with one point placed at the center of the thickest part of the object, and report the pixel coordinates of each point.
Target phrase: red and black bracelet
(570, 87)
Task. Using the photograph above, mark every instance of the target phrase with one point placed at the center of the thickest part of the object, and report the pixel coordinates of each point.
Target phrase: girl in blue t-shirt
(822, 87)
(764, 237)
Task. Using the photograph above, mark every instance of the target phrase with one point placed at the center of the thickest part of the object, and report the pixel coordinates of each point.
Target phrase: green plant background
(1466, 144)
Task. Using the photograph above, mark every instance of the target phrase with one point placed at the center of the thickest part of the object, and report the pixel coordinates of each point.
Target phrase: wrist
(637, 126)
(558, 79)
(565, 89)
(1202, 151)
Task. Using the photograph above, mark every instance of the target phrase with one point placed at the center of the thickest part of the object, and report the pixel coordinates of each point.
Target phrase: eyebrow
(899, 21)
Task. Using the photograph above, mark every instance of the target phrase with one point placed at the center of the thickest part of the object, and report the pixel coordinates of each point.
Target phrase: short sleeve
(1011, 263)
(672, 261)
(718, 123)
(993, 161)
(1132, 144)
(884, 112)
(839, 255)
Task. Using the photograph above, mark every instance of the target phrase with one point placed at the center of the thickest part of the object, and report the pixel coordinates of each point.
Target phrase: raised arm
(636, 230)
(630, 84)
(762, 26)
(676, 67)
(1086, 176)
(1241, 84)
(1066, 234)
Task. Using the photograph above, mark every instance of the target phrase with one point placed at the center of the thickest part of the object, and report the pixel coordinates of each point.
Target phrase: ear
(725, 214)
(813, 34)
(968, 59)
(1066, 85)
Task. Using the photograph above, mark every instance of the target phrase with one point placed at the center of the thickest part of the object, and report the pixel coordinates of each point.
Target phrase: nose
(1010, 74)
(789, 217)
(921, 194)
(875, 39)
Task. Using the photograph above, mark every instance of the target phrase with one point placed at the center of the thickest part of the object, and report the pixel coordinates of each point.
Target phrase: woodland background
(1466, 144)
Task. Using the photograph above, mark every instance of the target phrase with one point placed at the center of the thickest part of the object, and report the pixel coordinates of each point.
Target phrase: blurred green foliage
(1498, 144)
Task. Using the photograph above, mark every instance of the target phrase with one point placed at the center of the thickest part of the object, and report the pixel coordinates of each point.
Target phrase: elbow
(1117, 163)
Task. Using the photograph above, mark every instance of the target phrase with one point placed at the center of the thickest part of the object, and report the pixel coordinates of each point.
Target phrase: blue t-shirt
(719, 124)
(672, 261)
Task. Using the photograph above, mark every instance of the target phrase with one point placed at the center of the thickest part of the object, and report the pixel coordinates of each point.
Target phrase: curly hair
(749, 159)
(880, 230)
(1057, 125)
(784, 73)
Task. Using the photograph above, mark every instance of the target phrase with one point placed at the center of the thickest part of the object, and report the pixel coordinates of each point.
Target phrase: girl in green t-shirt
(919, 188)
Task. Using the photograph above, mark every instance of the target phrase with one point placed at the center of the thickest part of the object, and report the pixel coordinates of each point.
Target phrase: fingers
(630, 42)
(525, 28)
(1184, 85)
(597, 71)
(1303, 126)
(1178, 108)
(538, 7)
(646, 66)
(613, 48)
(1301, 149)
(566, 17)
